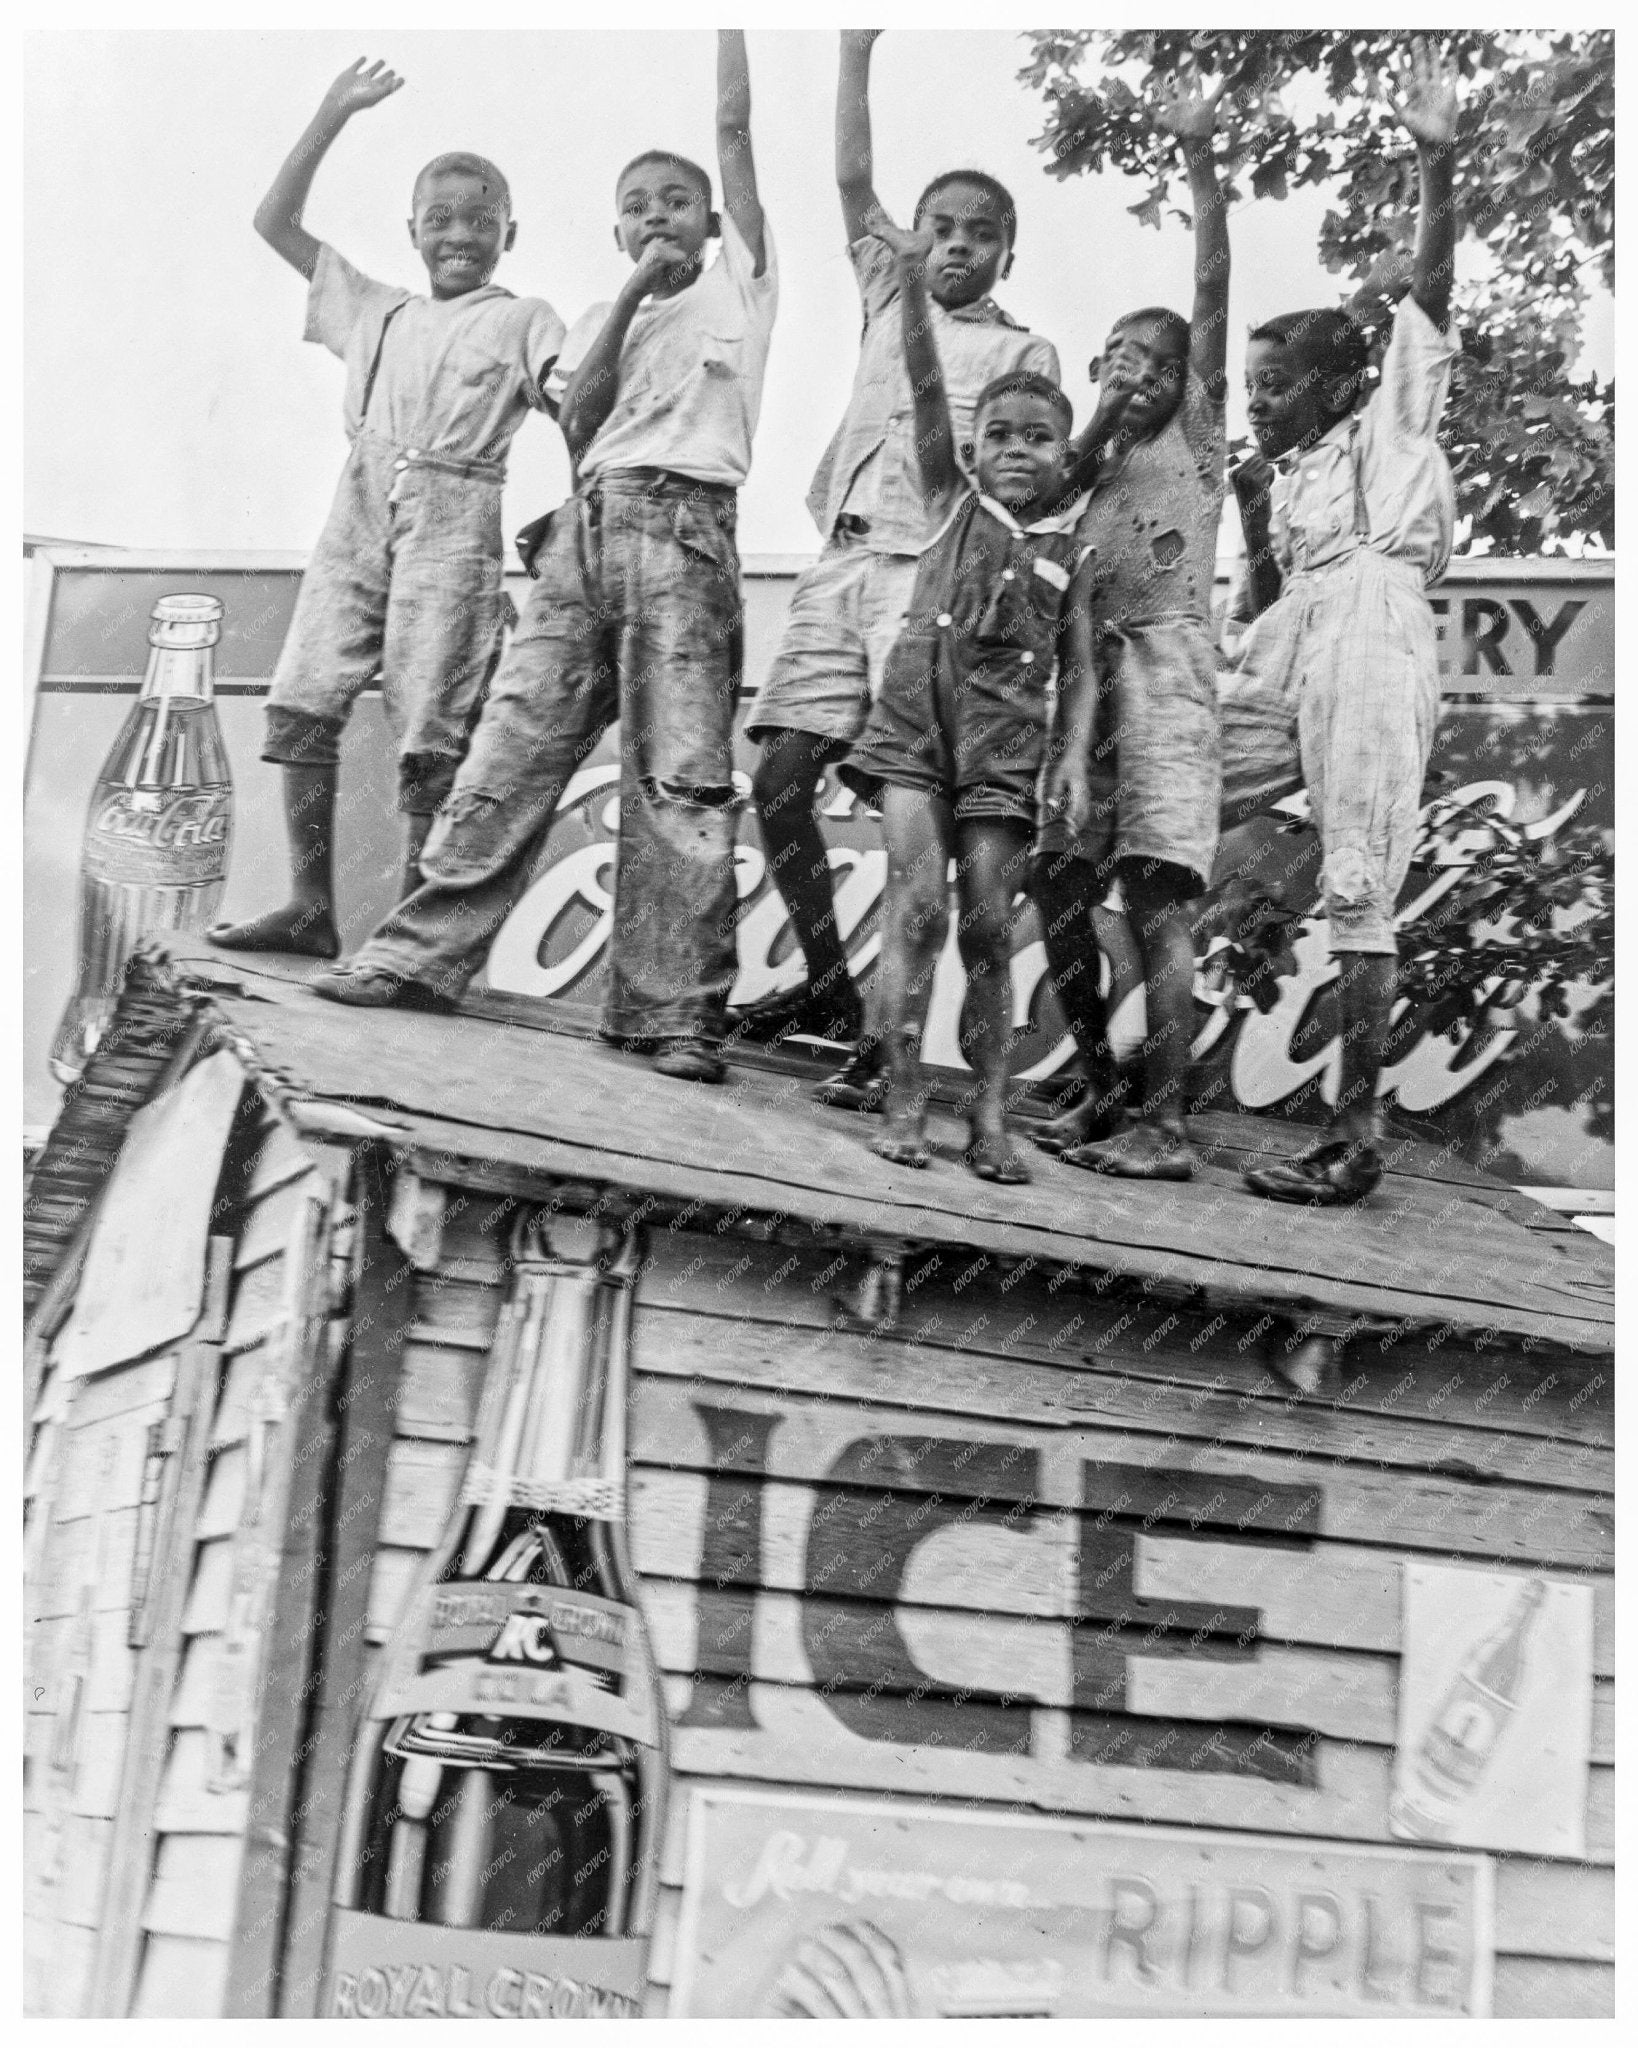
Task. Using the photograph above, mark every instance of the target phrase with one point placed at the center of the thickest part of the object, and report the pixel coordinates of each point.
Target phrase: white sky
(171, 402)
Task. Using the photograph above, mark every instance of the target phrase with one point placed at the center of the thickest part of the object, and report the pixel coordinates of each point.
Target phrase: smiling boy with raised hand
(634, 617)
(1344, 534)
(867, 502)
(406, 577)
(955, 743)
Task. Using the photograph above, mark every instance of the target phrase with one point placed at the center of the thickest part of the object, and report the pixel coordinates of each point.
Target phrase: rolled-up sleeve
(542, 343)
(343, 304)
(1416, 372)
(876, 274)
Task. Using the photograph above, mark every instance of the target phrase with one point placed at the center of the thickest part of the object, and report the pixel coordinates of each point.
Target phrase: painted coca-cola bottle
(160, 827)
(499, 1851)
(1461, 1739)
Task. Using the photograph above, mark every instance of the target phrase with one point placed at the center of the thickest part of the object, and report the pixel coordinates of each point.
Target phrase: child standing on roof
(1344, 534)
(634, 617)
(406, 577)
(954, 745)
(867, 501)
(1155, 452)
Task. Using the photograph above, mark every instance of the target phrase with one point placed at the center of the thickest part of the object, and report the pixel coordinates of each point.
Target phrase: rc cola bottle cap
(191, 620)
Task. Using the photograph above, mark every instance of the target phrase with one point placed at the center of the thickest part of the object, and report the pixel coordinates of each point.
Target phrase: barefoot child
(406, 577)
(633, 617)
(1142, 616)
(953, 747)
(866, 498)
(1342, 545)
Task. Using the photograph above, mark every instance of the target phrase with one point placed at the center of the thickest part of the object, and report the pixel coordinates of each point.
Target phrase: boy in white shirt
(1348, 519)
(405, 580)
(634, 617)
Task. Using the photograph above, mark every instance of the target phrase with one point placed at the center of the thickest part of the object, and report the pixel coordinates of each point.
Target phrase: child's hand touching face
(912, 246)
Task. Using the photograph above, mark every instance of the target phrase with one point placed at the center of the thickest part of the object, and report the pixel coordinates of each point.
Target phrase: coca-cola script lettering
(145, 836)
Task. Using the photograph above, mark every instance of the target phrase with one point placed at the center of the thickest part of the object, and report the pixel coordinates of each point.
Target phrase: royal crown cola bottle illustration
(160, 826)
(499, 1854)
(1461, 1739)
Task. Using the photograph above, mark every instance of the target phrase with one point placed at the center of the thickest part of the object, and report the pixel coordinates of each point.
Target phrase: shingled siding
(1037, 1433)
(87, 1475)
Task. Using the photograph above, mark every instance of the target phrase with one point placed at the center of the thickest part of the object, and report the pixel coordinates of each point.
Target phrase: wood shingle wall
(179, 1880)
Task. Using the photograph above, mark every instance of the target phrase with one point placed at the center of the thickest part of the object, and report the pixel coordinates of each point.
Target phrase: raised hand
(361, 85)
(1186, 112)
(910, 245)
(1427, 101)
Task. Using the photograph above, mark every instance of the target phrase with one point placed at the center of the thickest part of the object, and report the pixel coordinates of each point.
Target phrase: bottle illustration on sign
(160, 827)
(499, 1854)
(1460, 1741)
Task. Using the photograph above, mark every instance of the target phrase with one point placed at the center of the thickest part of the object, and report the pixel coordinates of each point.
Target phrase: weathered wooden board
(182, 1979)
(1534, 1987)
(975, 1305)
(798, 1738)
(937, 1380)
(195, 1887)
(1340, 1594)
(836, 1442)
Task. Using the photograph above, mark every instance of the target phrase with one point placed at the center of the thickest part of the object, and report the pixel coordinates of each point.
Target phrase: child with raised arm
(634, 617)
(866, 499)
(405, 580)
(954, 745)
(1154, 453)
(1344, 535)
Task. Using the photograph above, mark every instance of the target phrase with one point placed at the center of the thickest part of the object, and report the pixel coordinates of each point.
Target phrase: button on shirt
(870, 468)
(691, 370)
(455, 377)
(1380, 473)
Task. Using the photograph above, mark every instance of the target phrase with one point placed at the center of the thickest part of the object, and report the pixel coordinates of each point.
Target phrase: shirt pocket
(722, 355)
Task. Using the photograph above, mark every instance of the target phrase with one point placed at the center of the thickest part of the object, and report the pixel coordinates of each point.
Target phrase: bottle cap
(190, 620)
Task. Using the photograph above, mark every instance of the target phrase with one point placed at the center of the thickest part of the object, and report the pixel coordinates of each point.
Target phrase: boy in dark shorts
(1154, 455)
(405, 580)
(954, 745)
(848, 606)
(634, 617)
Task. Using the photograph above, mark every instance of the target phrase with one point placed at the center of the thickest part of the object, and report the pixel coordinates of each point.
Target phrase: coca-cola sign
(151, 835)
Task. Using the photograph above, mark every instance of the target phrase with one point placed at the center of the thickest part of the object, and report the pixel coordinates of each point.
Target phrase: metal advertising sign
(1495, 1711)
(1528, 671)
(849, 1908)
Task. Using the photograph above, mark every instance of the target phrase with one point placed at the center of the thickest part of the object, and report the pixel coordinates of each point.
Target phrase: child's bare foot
(1096, 1115)
(993, 1156)
(905, 1139)
(1142, 1151)
(297, 928)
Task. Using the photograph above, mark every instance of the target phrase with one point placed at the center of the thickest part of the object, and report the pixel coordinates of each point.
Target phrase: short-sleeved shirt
(691, 370)
(452, 377)
(1152, 518)
(870, 468)
(1380, 474)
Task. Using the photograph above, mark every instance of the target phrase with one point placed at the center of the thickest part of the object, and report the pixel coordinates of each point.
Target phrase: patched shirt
(691, 370)
(870, 469)
(450, 377)
(1378, 476)
(1152, 518)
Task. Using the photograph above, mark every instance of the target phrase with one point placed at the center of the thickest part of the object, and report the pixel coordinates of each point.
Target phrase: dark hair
(1333, 341)
(985, 183)
(686, 165)
(1174, 324)
(467, 165)
(1033, 385)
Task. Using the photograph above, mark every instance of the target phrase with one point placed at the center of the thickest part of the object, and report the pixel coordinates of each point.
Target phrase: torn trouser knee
(301, 739)
(425, 780)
